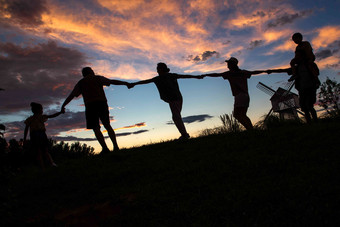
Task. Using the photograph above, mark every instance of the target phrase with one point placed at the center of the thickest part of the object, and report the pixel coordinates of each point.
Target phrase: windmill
(283, 101)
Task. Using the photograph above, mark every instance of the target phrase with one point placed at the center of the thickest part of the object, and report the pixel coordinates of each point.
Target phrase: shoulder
(103, 80)
(98, 77)
(225, 74)
(243, 71)
(174, 75)
(246, 73)
(28, 120)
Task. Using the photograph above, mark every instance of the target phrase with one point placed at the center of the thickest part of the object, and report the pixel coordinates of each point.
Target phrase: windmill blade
(289, 85)
(265, 89)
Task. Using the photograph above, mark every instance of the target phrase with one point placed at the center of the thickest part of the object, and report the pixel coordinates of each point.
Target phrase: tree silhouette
(329, 96)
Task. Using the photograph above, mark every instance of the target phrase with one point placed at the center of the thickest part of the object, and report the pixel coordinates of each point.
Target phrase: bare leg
(112, 136)
(176, 108)
(240, 113)
(100, 138)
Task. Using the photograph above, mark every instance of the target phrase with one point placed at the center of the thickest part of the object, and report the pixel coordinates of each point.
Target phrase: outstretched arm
(258, 72)
(286, 70)
(119, 82)
(25, 132)
(67, 101)
(212, 75)
(56, 114)
(180, 76)
(131, 85)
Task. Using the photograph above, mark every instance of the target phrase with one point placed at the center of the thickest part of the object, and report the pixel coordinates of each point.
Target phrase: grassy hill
(288, 176)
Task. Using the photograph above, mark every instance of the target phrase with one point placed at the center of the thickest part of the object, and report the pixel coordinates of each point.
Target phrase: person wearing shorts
(96, 108)
(169, 92)
(239, 87)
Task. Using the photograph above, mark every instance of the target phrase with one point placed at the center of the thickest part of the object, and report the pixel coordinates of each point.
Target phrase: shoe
(184, 137)
(54, 165)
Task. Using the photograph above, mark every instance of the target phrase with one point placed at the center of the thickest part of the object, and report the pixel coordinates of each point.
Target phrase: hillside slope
(287, 176)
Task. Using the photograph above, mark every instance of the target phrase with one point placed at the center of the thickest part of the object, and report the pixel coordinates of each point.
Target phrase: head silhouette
(162, 68)
(87, 71)
(297, 38)
(232, 63)
(36, 108)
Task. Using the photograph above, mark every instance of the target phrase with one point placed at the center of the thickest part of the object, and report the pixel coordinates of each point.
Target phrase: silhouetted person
(168, 88)
(305, 73)
(39, 141)
(303, 55)
(91, 88)
(239, 87)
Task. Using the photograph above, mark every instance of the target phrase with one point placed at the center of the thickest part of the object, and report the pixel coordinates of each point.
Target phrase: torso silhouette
(238, 81)
(168, 88)
(91, 88)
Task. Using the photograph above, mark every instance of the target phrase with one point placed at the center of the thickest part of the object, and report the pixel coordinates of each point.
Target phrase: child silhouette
(39, 140)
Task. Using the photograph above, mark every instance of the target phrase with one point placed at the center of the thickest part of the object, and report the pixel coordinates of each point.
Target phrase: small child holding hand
(39, 140)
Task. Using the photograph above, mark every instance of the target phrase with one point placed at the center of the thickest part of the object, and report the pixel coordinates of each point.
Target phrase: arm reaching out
(258, 72)
(56, 114)
(25, 133)
(131, 85)
(286, 70)
(212, 75)
(68, 99)
(179, 76)
(119, 82)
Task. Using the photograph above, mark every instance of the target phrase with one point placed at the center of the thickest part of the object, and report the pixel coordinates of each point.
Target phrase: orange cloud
(158, 30)
(138, 125)
(327, 62)
(326, 36)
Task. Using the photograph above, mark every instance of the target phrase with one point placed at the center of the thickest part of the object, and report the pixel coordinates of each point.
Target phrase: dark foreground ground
(288, 176)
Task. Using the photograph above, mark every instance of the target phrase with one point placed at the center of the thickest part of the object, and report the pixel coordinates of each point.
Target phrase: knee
(176, 116)
(237, 115)
(107, 126)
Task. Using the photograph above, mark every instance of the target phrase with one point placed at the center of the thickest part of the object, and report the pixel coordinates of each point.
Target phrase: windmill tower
(283, 101)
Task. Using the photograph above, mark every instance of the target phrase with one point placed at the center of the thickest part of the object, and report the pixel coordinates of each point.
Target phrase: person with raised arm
(239, 87)
(91, 88)
(35, 124)
(169, 92)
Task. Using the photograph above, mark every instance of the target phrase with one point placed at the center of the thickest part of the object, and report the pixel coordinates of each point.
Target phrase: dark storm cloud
(255, 43)
(323, 54)
(193, 118)
(259, 13)
(44, 73)
(24, 12)
(204, 56)
(288, 18)
(331, 50)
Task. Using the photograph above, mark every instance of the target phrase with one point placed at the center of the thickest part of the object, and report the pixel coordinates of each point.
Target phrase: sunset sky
(44, 44)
